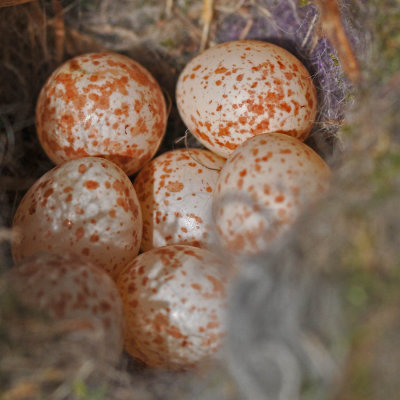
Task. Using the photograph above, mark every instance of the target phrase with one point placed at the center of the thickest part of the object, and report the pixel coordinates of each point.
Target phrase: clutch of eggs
(101, 104)
(263, 187)
(174, 300)
(87, 206)
(175, 193)
(240, 89)
(69, 289)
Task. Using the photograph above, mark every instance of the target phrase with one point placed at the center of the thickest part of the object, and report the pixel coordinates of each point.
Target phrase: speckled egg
(87, 206)
(174, 301)
(101, 104)
(175, 193)
(240, 89)
(67, 288)
(263, 187)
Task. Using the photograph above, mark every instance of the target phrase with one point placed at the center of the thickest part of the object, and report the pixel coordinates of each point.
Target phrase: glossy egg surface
(236, 90)
(175, 192)
(87, 206)
(263, 188)
(101, 104)
(174, 303)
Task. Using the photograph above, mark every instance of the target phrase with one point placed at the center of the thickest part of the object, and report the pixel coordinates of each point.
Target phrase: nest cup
(295, 311)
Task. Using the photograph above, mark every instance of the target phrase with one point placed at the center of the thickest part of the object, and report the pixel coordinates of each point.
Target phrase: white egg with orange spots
(101, 104)
(86, 206)
(175, 193)
(240, 89)
(174, 301)
(263, 187)
(69, 289)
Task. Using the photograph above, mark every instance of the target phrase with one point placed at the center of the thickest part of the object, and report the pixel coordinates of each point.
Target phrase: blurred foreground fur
(316, 318)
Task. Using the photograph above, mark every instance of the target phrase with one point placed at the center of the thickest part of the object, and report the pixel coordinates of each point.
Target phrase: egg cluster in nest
(320, 303)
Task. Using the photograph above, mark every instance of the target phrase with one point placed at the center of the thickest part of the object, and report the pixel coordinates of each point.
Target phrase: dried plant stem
(334, 30)
(246, 29)
(230, 10)
(9, 3)
(38, 30)
(310, 29)
(168, 8)
(59, 31)
(107, 29)
(206, 17)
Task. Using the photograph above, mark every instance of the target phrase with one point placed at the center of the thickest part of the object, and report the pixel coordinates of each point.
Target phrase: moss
(303, 3)
(168, 43)
(83, 392)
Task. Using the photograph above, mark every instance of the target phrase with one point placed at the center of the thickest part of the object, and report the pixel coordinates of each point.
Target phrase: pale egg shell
(263, 187)
(174, 301)
(101, 104)
(87, 206)
(175, 193)
(67, 288)
(240, 89)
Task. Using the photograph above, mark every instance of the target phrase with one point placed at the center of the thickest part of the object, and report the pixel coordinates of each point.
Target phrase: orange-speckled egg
(175, 193)
(68, 288)
(262, 189)
(240, 89)
(101, 104)
(87, 206)
(174, 301)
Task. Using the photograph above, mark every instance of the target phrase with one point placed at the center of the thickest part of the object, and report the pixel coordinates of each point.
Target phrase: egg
(87, 206)
(174, 300)
(175, 193)
(236, 90)
(101, 104)
(71, 290)
(263, 188)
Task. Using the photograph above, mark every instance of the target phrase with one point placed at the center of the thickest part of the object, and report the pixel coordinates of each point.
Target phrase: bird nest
(317, 316)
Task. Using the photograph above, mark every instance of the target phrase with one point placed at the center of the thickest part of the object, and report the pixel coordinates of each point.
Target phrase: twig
(168, 8)
(206, 17)
(333, 27)
(22, 390)
(107, 29)
(59, 31)
(9, 3)
(38, 29)
(246, 29)
(230, 10)
(310, 29)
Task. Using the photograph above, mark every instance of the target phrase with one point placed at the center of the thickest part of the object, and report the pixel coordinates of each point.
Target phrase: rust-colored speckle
(79, 233)
(91, 185)
(48, 192)
(175, 186)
